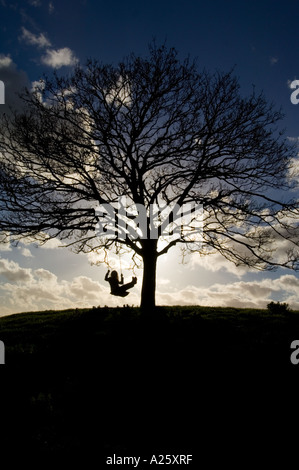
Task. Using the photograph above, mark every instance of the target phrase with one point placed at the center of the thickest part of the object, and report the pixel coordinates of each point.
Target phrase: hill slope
(97, 382)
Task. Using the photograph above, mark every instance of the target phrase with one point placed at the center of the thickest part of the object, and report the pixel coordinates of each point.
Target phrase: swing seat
(120, 294)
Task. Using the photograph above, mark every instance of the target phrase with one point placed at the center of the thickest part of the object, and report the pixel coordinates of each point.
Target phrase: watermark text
(160, 459)
(2, 353)
(295, 354)
(125, 219)
(2, 92)
(295, 93)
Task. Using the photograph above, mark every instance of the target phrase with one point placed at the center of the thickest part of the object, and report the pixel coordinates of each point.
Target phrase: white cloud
(5, 246)
(120, 94)
(164, 282)
(85, 288)
(13, 272)
(59, 58)
(34, 40)
(51, 244)
(51, 7)
(241, 294)
(37, 88)
(40, 289)
(5, 61)
(293, 172)
(216, 262)
(26, 252)
(45, 275)
(55, 58)
(44, 242)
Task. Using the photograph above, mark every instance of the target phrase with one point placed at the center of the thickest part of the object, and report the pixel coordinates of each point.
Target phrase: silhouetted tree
(158, 131)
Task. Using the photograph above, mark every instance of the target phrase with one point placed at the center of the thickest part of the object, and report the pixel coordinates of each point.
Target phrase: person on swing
(117, 286)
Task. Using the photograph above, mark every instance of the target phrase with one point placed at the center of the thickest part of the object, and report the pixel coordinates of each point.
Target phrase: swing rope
(120, 264)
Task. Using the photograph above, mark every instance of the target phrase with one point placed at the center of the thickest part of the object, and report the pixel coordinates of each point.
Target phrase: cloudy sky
(259, 38)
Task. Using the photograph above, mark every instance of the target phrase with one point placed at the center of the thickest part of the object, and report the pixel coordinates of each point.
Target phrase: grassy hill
(89, 383)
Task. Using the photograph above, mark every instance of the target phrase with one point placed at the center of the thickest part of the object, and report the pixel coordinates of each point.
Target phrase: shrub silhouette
(277, 307)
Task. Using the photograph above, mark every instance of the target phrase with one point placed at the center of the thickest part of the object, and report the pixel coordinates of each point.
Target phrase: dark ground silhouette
(102, 383)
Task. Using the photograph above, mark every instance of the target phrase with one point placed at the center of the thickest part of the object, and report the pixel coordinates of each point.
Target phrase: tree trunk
(149, 276)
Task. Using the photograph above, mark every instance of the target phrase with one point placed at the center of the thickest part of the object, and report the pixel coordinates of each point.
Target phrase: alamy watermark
(2, 353)
(2, 92)
(295, 94)
(125, 219)
(295, 354)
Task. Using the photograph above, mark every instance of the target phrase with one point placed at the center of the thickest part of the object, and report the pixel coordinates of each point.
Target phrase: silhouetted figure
(117, 286)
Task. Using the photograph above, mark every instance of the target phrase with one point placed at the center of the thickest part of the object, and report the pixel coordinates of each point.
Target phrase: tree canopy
(155, 130)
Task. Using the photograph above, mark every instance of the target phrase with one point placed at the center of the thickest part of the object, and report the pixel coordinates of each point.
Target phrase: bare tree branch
(158, 132)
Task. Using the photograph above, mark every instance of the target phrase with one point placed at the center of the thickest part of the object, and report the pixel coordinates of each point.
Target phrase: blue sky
(258, 38)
